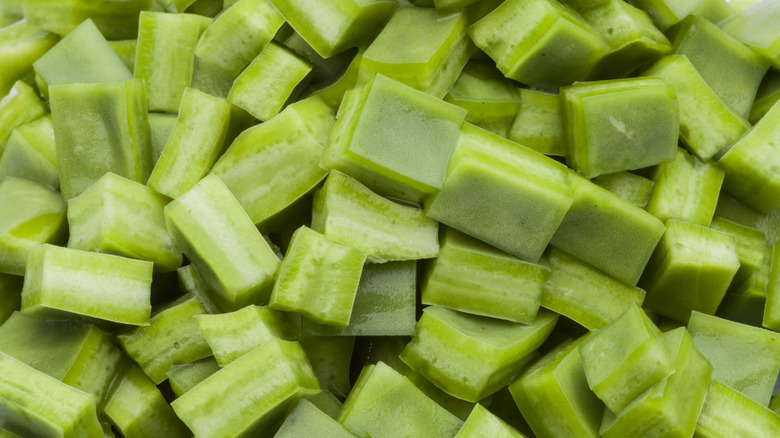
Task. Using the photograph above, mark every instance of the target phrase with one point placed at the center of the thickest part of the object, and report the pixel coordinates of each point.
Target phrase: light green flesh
(21, 44)
(751, 247)
(538, 124)
(728, 412)
(330, 358)
(31, 154)
(307, 420)
(21, 105)
(482, 423)
(633, 188)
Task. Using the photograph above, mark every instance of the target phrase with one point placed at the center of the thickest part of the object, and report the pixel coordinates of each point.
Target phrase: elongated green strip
(194, 145)
(251, 394)
(210, 227)
(21, 44)
(10, 295)
(728, 412)
(63, 282)
(35, 404)
(21, 105)
(31, 154)
(171, 338)
(182, 378)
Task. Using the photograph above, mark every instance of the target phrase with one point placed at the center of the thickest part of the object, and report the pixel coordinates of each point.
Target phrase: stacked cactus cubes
(389, 218)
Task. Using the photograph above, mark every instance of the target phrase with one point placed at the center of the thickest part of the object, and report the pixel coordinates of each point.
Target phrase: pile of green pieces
(389, 218)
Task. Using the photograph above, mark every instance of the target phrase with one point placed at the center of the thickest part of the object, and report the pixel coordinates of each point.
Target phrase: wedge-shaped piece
(385, 303)
(491, 100)
(347, 212)
(105, 289)
(622, 124)
(10, 295)
(422, 48)
(751, 247)
(395, 151)
(502, 193)
(268, 82)
(750, 165)
(164, 58)
(755, 27)
(35, 404)
(607, 232)
(182, 378)
(231, 335)
(585, 294)
(271, 166)
(33, 215)
(707, 125)
(122, 217)
(318, 278)
(685, 189)
(171, 338)
(733, 71)
(690, 270)
(31, 154)
(332, 26)
(115, 19)
(541, 43)
(728, 412)
(767, 95)
(473, 277)
(744, 357)
(385, 404)
(483, 423)
(249, 396)
(538, 124)
(82, 56)
(100, 128)
(670, 407)
(625, 358)
(197, 140)
(210, 227)
(470, 356)
(21, 44)
(308, 420)
(21, 105)
(771, 319)
(667, 13)
(629, 186)
(554, 397)
(239, 34)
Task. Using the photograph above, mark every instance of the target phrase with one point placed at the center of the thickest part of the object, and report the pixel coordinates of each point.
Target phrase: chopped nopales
(31, 154)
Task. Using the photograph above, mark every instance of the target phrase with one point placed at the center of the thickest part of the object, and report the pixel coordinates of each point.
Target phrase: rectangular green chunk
(727, 413)
(751, 247)
(208, 224)
(308, 420)
(667, 13)
(482, 422)
(64, 282)
(756, 28)
(538, 123)
(31, 154)
(116, 19)
(182, 378)
(21, 105)
(21, 44)
(629, 186)
(330, 357)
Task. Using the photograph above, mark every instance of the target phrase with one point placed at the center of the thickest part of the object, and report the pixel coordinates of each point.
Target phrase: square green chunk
(21, 105)
(728, 412)
(33, 214)
(31, 154)
(616, 125)
(538, 124)
(625, 358)
(308, 420)
(395, 139)
(105, 289)
(629, 186)
(470, 356)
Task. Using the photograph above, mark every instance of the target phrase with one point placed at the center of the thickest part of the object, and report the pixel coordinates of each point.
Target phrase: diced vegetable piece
(171, 338)
(707, 125)
(744, 357)
(35, 404)
(211, 79)
(271, 166)
(755, 27)
(502, 193)
(324, 70)
(63, 282)
(471, 356)
(164, 58)
(231, 335)
(175, 5)
(33, 214)
(767, 95)
(190, 281)
(667, 13)
(21, 105)
(10, 295)
(583, 293)
(482, 423)
(491, 100)
(395, 151)
(249, 396)
(622, 124)
(330, 357)
(349, 213)
(750, 165)
(21, 44)
(538, 124)
(332, 26)
(554, 397)
(182, 378)
(384, 304)
(625, 358)
(385, 404)
(629, 186)
(307, 420)
(422, 48)
(715, 10)
(239, 34)
(685, 189)
(728, 412)
(690, 270)
(607, 232)
(326, 402)
(672, 405)
(116, 19)
(751, 247)
(31, 154)
(138, 409)
(100, 128)
(541, 43)
(268, 82)
(125, 49)
(208, 224)
(82, 56)
(122, 217)
(473, 277)
(160, 128)
(771, 318)
(197, 140)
